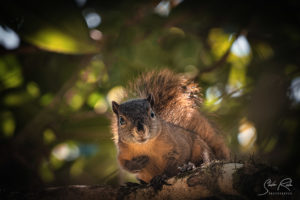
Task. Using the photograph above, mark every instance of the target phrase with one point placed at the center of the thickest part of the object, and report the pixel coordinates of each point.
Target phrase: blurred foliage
(57, 84)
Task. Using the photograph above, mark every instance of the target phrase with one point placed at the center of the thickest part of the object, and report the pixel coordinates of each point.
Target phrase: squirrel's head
(136, 121)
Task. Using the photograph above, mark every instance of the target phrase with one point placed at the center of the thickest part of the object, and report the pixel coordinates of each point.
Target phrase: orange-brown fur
(161, 150)
(177, 101)
(181, 127)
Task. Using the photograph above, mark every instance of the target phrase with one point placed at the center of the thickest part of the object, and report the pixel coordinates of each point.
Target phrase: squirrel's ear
(115, 107)
(150, 99)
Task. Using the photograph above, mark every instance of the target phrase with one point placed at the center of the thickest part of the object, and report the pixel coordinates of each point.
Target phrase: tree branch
(216, 180)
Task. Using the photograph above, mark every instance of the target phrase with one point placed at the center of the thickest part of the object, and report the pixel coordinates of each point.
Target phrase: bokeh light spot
(46, 172)
(101, 106)
(10, 72)
(92, 18)
(66, 151)
(115, 94)
(234, 89)
(33, 89)
(264, 50)
(93, 98)
(213, 98)
(16, 99)
(295, 90)
(74, 99)
(177, 31)
(9, 39)
(8, 124)
(46, 99)
(96, 34)
(270, 146)
(241, 46)
(247, 134)
(163, 8)
(49, 136)
(80, 3)
(97, 101)
(77, 167)
(218, 40)
(55, 163)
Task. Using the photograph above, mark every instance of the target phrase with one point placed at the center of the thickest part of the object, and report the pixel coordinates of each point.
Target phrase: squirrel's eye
(152, 114)
(121, 120)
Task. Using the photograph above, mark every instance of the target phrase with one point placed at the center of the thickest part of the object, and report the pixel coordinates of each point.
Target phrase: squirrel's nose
(140, 126)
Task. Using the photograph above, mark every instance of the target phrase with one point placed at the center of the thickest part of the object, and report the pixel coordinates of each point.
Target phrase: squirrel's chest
(153, 149)
(158, 153)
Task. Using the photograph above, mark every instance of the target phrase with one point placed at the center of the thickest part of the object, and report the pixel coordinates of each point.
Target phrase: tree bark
(216, 180)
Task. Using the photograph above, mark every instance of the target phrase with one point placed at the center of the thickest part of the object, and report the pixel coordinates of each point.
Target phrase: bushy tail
(177, 100)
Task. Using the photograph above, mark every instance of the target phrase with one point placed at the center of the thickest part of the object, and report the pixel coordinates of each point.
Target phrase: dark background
(62, 62)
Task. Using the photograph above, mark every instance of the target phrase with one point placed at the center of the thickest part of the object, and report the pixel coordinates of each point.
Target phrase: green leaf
(47, 26)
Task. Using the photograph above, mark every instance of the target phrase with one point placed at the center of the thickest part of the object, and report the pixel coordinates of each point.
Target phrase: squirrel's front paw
(187, 167)
(137, 163)
(158, 181)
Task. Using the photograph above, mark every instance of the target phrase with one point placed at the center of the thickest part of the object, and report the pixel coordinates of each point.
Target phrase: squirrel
(160, 128)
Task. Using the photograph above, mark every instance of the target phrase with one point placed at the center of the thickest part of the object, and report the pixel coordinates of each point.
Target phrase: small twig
(108, 177)
(23, 49)
(219, 63)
